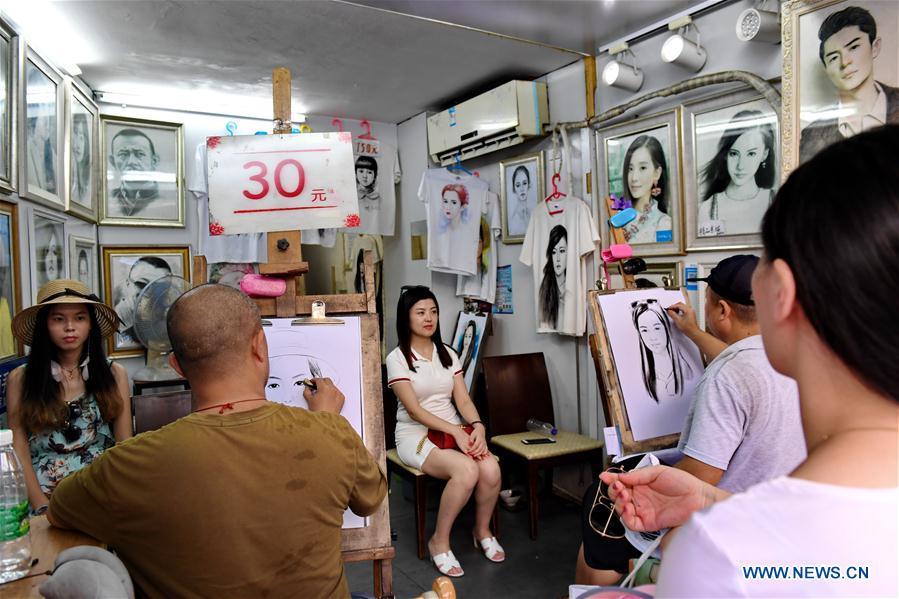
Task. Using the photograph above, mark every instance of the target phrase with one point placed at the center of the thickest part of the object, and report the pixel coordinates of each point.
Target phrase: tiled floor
(541, 569)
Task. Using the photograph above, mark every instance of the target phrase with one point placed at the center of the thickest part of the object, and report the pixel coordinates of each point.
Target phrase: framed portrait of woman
(639, 164)
(82, 153)
(47, 239)
(43, 94)
(522, 181)
(10, 290)
(9, 69)
(144, 175)
(84, 263)
(468, 341)
(126, 271)
(840, 72)
(731, 170)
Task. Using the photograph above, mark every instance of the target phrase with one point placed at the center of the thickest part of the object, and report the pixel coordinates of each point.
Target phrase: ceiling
(348, 59)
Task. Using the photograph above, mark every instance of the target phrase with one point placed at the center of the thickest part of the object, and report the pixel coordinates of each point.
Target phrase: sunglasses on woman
(602, 517)
(71, 432)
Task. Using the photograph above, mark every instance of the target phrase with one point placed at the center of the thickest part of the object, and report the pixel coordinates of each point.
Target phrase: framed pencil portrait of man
(144, 182)
(841, 72)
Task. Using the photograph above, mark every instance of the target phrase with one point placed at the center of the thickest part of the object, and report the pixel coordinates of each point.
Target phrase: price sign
(261, 183)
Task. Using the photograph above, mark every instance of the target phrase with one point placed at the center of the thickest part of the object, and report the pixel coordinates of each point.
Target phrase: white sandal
(444, 562)
(489, 546)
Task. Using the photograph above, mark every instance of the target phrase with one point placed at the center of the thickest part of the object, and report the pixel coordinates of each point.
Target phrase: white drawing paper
(312, 351)
(658, 366)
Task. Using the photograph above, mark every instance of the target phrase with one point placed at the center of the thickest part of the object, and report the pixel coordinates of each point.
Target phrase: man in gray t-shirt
(743, 426)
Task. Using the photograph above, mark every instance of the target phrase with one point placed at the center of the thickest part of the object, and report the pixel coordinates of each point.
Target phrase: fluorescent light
(51, 35)
(205, 101)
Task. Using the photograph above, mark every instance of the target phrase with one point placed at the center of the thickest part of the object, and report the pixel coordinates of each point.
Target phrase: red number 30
(259, 177)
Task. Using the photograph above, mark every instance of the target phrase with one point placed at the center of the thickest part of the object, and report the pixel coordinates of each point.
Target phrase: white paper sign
(261, 183)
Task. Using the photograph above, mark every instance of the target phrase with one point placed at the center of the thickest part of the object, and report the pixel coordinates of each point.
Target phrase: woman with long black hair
(67, 405)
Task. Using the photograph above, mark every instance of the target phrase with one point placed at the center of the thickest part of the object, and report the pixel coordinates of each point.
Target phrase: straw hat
(63, 291)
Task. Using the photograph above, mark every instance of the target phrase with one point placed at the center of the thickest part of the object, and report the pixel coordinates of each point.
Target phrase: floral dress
(54, 458)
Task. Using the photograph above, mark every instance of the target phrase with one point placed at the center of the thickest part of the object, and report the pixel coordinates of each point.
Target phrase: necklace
(758, 190)
(229, 405)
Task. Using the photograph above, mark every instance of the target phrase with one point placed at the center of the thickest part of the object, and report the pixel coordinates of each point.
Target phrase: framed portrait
(144, 182)
(230, 273)
(42, 117)
(840, 72)
(522, 182)
(126, 271)
(82, 154)
(9, 77)
(731, 170)
(639, 163)
(84, 263)
(648, 369)
(657, 274)
(10, 290)
(468, 340)
(47, 238)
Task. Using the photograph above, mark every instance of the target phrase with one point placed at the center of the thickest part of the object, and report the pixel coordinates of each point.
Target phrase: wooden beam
(590, 81)
(343, 303)
(198, 275)
(281, 98)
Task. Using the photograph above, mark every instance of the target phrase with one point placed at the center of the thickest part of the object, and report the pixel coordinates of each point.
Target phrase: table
(46, 543)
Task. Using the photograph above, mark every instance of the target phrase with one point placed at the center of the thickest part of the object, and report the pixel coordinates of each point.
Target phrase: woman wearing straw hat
(67, 405)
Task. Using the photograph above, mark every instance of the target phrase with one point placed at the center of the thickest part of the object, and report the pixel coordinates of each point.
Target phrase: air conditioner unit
(500, 118)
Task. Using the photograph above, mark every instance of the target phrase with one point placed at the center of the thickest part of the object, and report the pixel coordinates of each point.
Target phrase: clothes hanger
(457, 166)
(231, 127)
(557, 168)
(337, 123)
(367, 126)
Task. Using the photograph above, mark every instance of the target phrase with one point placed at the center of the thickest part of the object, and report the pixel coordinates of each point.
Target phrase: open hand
(656, 497)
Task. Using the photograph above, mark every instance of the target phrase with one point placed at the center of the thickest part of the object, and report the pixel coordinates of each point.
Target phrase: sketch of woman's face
(652, 331)
(51, 258)
(560, 257)
(364, 176)
(521, 185)
(286, 374)
(745, 156)
(83, 271)
(641, 173)
(452, 205)
(79, 141)
(467, 337)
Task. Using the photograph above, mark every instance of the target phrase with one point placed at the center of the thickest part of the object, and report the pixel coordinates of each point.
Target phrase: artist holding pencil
(427, 378)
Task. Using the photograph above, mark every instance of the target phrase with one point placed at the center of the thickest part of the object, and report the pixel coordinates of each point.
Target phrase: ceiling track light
(680, 50)
(620, 73)
(759, 25)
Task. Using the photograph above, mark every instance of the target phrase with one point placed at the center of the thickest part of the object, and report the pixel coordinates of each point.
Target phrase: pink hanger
(339, 124)
(556, 194)
(367, 126)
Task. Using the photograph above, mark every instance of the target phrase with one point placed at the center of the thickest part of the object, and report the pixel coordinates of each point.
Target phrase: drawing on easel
(656, 366)
(467, 342)
(315, 351)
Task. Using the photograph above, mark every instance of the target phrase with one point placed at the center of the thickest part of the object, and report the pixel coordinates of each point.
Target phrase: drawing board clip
(318, 316)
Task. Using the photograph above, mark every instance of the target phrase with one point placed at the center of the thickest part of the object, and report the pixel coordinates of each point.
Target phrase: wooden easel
(285, 260)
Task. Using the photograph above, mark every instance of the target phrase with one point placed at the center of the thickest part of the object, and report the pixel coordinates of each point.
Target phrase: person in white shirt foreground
(825, 293)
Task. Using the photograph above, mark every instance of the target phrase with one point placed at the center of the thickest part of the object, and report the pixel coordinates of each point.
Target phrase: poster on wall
(503, 304)
(657, 366)
(262, 183)
(298, 352)
(843, 76)
(468, 341)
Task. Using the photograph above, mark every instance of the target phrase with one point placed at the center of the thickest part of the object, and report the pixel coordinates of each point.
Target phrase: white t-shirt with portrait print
(482, 286)
(453, 224)
(573, 215)
(377, 196)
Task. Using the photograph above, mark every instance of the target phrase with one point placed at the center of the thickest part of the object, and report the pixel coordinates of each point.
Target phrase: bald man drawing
(243, 497)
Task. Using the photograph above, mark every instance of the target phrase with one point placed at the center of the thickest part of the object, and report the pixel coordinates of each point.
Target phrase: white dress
(433, 386)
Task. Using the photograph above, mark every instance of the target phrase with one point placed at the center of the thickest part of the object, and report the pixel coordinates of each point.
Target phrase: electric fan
(150, 310)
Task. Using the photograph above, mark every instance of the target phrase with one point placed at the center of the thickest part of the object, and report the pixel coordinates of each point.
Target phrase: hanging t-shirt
(482, 286)
(377, 174)
(243, 247)
(323, 237)
(354, 246)
(555, 246)
(455, 203)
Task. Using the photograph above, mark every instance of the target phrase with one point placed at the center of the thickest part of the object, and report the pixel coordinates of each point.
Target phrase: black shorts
(602, 553)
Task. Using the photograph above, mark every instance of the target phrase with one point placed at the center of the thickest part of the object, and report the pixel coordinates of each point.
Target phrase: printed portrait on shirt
(846, 58)
(553, 290)
(144, 172)
(367, 183)
(454, 210)
(731, 169)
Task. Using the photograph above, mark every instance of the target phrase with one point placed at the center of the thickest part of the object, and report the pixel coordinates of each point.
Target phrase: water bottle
(538, 426)
(15, 542)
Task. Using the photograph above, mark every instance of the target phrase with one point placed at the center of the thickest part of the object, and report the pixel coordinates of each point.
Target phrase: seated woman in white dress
(427, 378)
(739, 180)
(645, 179)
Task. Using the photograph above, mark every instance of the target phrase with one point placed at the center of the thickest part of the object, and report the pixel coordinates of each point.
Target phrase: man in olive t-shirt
(242, 498)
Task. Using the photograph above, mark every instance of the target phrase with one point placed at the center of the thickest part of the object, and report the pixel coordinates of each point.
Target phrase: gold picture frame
(10, 285)
(532, 165)
(157, 148)
(122, 285)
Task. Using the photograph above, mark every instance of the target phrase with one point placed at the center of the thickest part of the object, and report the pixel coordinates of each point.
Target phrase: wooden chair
(416, 477)
(517, 388)
(155, 410)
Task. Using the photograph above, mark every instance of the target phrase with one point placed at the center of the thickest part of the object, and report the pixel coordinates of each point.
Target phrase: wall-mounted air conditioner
(500, 118)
